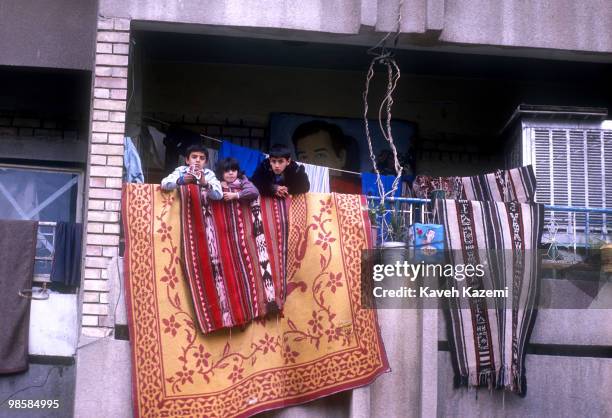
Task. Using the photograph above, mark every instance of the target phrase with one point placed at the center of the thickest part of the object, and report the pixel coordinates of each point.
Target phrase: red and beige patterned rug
(235, 257)
(322, 343)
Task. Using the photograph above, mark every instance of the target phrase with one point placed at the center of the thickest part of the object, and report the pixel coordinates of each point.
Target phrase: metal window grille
(574, 168)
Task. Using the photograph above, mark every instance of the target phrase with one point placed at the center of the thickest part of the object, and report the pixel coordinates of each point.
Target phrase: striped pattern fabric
(488, 337)
(234, 257)
(516, 184)
(423, 186)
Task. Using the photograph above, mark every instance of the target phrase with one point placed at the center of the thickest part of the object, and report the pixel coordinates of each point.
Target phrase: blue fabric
(248, 158)
(369, 187)
(428, 242)
(66, 267)
(131, 161)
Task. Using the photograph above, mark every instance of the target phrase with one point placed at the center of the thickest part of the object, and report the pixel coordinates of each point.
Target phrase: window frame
(45, 278)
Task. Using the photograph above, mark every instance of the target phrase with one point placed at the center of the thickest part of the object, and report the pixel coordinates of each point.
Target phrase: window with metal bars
(574, 168)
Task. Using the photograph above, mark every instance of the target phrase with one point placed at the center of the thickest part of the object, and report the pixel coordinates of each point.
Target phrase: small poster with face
(341, 142)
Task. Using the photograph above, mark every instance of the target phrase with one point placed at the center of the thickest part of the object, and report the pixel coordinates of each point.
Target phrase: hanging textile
(488, 337)
(318, 177)
(248, 158)
(406, 192)
(445, 187)
(66, 267)
(213, 158)
(406, 186)
(132, 163)
(323, 343)
(156, 148)
(344, 183)
(516, 184)
(235, 264)
(18, 249)
(369, 187)
(177, 141)
(393, 222)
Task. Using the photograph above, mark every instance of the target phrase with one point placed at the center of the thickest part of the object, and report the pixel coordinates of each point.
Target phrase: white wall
(557, 25)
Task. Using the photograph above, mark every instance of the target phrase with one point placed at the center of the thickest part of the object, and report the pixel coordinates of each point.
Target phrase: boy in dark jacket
(280, 176)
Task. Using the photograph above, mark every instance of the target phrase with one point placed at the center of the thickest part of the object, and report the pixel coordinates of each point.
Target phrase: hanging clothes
(18, 249)
(213, 158)
(66, 267)
(426, 187)
(369, 187)
(318, 177)
(224, 238)
(177, 141)
(248, 158)
(345, 183)
(517, 184)
(406, 186)
(488, 337)
(131, 162)
(156, 149)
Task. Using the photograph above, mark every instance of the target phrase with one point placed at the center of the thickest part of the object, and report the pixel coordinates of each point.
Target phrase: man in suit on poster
(325, 144)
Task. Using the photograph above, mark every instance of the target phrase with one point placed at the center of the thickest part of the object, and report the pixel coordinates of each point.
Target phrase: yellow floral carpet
(321, 344)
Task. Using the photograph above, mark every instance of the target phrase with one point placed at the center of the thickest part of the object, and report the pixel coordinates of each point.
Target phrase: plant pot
(394, 244)
(394, 251)
(374, 232)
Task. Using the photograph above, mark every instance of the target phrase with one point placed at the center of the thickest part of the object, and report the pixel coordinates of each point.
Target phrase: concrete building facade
(108, 51)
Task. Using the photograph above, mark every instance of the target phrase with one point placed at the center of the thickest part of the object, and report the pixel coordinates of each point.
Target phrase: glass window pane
(43, 195)
(38, 194)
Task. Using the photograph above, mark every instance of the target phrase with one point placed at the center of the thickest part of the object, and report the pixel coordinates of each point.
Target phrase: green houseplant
(389, 224)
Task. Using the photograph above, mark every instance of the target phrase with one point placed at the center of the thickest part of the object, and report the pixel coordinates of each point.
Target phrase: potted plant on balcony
(375, 213)
(394, 235)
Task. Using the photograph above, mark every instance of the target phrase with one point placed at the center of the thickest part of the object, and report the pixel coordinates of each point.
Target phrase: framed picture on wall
(341, 142)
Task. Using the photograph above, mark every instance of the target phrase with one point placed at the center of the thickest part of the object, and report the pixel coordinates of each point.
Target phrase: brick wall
(105, 171)
(17, 125)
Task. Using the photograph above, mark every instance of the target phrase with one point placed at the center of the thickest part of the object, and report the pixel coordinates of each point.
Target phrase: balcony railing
(566, 228)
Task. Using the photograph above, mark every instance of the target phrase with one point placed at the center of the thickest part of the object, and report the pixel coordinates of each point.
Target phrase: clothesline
(557, 208)
(220, 141)
(168, 124)
(345, 171)
(211, 138)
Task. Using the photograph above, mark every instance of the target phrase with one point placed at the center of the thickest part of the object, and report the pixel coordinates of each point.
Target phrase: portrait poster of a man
(340, 143)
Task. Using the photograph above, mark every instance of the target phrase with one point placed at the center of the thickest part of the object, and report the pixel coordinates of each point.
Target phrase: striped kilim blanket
(423, 186)
(488, 337)
(516, 184)
(322, 343)
(234, 257)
